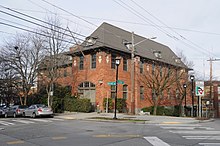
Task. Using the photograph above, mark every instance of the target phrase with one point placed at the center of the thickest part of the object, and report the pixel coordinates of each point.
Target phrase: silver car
(38, 110)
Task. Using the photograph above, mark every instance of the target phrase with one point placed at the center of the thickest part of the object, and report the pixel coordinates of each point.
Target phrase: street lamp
(117, 62)
(192, 91)
(130, 46)
(184, 86)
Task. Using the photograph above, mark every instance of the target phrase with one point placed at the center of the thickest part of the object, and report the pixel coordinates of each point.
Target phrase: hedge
(164, 110)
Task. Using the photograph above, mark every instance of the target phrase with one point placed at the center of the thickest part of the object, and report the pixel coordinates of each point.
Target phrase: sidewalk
(149, 119)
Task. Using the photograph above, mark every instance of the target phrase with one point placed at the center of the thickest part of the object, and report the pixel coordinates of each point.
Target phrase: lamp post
(192, 91)
(117, 62)
(184, 86)
(130, 46)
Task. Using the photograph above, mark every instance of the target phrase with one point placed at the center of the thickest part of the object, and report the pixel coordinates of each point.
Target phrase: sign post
(199, 93)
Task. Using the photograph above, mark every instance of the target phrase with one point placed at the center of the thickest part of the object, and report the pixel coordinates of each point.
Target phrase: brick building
(93, 67)
(212, 95)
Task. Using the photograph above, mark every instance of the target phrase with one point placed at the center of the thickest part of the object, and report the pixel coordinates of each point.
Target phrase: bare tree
(22, 53)
(162, 77)
(181, 96)
(54, 45)
(8, 85)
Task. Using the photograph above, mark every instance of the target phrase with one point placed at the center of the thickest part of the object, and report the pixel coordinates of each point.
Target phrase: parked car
(38, 110)
(2, 112)
(14, 111)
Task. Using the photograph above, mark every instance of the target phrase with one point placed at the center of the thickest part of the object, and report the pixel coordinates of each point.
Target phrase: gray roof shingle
(113, 37)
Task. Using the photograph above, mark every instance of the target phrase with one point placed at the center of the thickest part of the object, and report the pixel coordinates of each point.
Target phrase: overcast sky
(191, 26)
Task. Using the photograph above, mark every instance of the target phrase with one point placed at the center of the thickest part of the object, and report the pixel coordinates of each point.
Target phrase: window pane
(125, 91)
(113, 87)
(113, 61)
(81, 62)
(65, 73)
(141, 67)
(86, 84)
(125, 64)
(93, 61)
(141, 92)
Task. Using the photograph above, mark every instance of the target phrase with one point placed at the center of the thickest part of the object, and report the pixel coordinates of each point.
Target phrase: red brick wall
(104, 73)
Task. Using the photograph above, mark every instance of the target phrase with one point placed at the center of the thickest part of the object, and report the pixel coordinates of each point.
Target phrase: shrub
(74, 104)
(57, 105)
(121, 105)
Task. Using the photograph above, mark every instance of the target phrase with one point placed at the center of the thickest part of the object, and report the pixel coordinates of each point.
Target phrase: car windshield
(41, 105)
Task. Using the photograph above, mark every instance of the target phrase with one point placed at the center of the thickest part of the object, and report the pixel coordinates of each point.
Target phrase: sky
(187, 26)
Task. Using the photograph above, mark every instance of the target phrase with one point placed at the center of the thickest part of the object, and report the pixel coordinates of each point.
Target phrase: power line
(119, 21)
(35, 19)
(135, 12)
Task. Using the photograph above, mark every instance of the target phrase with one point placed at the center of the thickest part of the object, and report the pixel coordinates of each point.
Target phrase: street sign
(113, 83)
(199, 88)
(120, 82)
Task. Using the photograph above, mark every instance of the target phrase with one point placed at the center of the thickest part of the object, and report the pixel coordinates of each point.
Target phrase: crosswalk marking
(23, 121)
(186, 128)
(155, 141)
(15, 121)
(41, 120)
(209, 144)
(201, 132)
(203, 137)
(6, 123)
(54, 119)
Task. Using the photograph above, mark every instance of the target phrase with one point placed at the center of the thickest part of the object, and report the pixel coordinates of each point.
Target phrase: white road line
(186, 128)
(200, 132)
(40, 120)
(203, 137)
(54, 119)
(23, 121)
(156, 141)
(6, 123)
(181, 125)
(209, 144)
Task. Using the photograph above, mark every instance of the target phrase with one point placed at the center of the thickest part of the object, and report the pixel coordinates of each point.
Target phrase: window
(141, 92)
(125, 91)
(153, 69)
(93, 61)
(65, 73)
(113, 92)
(125, 64)
(141, 67)
(81, 62)
(161, 71)
(113, 61)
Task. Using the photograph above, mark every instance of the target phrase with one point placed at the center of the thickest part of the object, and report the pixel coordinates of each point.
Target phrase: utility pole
(132, 74)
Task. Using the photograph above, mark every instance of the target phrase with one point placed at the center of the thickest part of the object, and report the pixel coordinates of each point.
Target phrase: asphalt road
(60, 132)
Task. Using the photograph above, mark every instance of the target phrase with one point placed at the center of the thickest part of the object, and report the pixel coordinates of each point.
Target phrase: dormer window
(157, 54)
(90, 41)
(178, 60)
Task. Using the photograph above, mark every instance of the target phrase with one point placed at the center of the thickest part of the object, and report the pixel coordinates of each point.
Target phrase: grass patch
(119, 119)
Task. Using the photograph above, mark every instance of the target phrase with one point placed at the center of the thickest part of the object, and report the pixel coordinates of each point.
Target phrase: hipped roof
(112, 37)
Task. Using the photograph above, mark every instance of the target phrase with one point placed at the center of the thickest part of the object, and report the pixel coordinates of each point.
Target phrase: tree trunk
(48, 100)
(155, 109)
(21, 100)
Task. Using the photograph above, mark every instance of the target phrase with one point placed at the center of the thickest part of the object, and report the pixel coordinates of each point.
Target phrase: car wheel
(6, 115)
(33, 115)
(14, 115)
